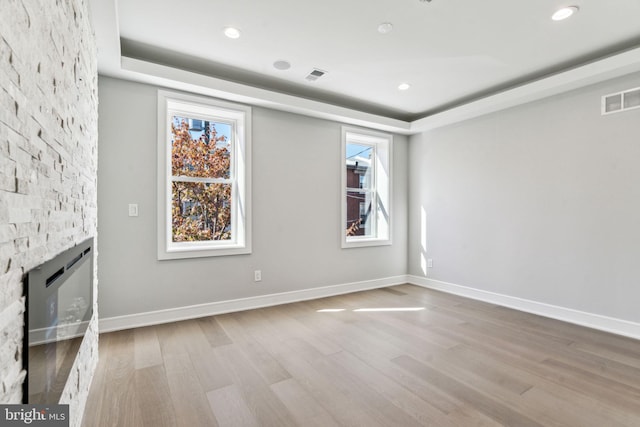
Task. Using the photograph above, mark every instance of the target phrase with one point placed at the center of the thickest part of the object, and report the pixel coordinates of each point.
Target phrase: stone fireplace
(48, 168)
(59, 296)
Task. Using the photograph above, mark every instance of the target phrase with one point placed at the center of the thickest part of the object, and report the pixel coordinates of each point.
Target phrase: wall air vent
(621, 101)
(315, 74)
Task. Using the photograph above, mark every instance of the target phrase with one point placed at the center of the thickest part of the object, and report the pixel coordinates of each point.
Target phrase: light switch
(133, 209)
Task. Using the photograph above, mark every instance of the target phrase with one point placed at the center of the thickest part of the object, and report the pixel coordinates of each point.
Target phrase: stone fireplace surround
(48, 167)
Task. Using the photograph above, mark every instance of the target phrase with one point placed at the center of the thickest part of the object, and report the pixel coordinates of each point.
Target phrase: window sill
(365, 242)
(203, 252)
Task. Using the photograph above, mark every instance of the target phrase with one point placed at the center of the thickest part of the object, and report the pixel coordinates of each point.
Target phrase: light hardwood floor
(457, 362)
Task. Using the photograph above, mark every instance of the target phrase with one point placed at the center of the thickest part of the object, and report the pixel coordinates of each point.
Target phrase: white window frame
(239, 117)
(382, 186)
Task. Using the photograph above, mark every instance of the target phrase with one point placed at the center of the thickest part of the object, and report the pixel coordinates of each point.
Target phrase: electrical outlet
(257, 275)
(430, 263)
(133, 209)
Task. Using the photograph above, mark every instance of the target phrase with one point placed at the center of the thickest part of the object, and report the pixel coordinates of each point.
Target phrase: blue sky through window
(358, 150)
(223, 129)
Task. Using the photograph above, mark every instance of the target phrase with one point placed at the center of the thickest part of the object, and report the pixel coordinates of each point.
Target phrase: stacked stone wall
(48, 166)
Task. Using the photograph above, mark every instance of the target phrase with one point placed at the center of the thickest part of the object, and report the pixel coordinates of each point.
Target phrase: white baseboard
(595, 321)
(590, 320)
(110, 324)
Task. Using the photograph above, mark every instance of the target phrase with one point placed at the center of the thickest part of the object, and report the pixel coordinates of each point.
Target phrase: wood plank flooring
(456, 362)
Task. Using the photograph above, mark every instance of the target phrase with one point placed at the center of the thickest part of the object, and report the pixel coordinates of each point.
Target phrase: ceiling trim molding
(188, 81)
(595, 72)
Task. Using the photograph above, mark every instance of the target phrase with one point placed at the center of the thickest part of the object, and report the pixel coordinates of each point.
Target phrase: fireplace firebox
(59, 306)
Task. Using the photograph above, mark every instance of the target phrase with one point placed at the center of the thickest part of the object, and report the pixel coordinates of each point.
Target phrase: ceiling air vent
(315, 74)
(621, 101)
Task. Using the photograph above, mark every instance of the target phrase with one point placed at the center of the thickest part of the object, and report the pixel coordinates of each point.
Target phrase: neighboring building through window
(366, 184)
(203, 170)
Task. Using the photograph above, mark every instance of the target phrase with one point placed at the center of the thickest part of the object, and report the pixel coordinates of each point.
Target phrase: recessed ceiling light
(385, 27)
(404, 86)
(281, 65)
(564, 13)
(231, 32)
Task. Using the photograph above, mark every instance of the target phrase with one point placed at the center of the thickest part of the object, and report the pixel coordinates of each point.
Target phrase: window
(203, 177)
(366, 188)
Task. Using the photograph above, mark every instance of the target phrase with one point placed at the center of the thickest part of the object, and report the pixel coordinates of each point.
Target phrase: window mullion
(203, 180)
(374, 192)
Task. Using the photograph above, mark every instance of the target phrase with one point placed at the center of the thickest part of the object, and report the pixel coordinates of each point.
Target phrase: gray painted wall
(296, 213)
(540, 202)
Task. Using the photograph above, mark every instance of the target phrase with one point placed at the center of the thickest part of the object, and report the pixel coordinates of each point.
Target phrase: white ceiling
(451, 52)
